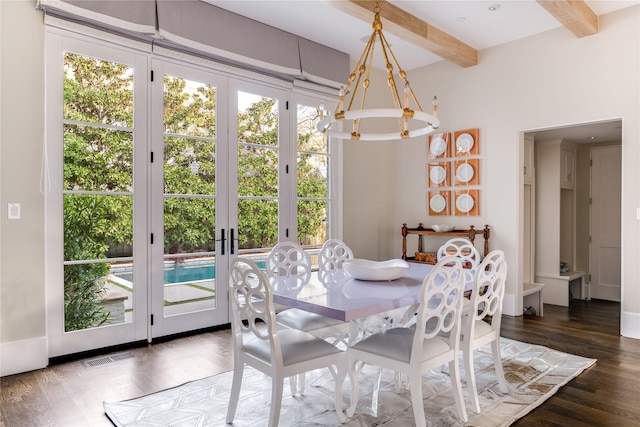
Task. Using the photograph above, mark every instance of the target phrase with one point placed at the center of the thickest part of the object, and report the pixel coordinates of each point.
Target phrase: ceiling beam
(575, 15)
(410, 28)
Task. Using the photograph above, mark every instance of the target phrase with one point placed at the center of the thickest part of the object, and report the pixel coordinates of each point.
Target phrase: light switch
(638, 214)
(14, 211)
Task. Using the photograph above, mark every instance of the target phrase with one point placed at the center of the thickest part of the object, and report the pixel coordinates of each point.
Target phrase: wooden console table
(421, 231)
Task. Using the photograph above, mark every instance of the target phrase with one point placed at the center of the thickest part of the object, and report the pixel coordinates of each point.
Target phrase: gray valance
(205, 30)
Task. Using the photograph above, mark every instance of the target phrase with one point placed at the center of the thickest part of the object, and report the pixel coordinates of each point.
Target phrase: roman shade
(204, 30)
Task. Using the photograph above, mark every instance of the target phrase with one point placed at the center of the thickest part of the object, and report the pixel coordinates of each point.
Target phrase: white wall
(22, 290)
(543, 81)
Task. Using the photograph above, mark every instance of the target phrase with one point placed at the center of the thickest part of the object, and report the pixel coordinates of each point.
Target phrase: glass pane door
(186, 292)
(95, 137)
(262, 169)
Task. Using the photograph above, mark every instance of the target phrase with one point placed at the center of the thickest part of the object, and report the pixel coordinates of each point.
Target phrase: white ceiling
(470, 21)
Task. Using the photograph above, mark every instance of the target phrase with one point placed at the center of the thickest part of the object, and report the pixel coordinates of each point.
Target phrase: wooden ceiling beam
(575, 15)
(408, 27)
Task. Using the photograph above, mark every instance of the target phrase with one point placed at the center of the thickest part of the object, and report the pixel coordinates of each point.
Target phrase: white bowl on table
(364, 269)
(442, 228)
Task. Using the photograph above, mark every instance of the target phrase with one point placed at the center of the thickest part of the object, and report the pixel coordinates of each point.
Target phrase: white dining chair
(462, 248)
(482, 318)
(290, 259)
(333, 254)
(415, 350)
(278, 353)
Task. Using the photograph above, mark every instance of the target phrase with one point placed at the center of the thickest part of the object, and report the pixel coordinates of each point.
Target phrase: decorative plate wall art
(439, 146)
(439, 174)
(439, 202)
(467, 202)
(466, 172)
(466, 142)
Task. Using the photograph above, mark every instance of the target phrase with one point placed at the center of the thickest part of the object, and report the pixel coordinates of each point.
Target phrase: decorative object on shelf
(466, 172)
(466, 142)
(403, 109)
(467, 202)
(421, 231)
(442, 228)
(439, 203)
(439, 174)
(364, 269)
(439, 145)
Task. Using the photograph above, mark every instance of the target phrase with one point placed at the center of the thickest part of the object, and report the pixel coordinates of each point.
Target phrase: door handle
(223, 240)
(232, 241)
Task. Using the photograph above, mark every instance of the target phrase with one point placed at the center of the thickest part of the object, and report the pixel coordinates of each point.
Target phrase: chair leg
(353, 378)
(301, 383)
(238, 371)
(276, 402)
(415, 384)
(376, 393)
(471, 379)
(497, 362)
(454, 371)
(293, 384)
(341, 373)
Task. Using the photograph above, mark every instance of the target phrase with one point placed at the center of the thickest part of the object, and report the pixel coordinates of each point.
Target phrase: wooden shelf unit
(421, 231)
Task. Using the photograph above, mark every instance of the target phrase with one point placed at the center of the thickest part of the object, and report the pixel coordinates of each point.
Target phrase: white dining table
(337, 295)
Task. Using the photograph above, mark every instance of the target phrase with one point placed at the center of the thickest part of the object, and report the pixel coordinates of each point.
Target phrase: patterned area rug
(534, 373)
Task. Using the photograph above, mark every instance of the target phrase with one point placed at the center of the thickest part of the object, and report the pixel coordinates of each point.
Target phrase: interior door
(606, 180)
(189, 200)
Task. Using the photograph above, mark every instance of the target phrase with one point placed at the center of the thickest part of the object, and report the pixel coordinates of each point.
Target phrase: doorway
(573, 191)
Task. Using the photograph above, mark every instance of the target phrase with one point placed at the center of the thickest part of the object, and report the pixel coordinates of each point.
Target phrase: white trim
(77, 29)
(22, 356)
(630, 324)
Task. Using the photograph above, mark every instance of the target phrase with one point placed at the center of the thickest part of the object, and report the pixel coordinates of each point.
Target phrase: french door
(161, 173)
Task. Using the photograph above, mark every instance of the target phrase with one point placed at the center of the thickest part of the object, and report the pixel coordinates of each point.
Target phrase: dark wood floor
(71, 394)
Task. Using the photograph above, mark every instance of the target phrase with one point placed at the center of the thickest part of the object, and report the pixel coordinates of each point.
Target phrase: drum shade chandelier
(402, 110)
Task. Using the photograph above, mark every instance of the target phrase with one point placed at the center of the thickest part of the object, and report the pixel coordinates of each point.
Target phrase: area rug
(533, 373)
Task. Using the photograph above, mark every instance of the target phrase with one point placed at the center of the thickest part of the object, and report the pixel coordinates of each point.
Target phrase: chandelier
(401, 111)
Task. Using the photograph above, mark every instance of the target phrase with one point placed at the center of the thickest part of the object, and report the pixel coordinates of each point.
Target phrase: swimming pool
(183, 272)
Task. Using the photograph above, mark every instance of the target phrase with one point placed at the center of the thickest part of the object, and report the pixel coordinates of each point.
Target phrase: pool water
(184, 273)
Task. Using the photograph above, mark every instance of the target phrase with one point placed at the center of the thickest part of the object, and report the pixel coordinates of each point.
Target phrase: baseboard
(630, 324)
(23, 356)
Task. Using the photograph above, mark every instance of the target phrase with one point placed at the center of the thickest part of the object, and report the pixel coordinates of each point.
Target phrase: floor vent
(108, 359)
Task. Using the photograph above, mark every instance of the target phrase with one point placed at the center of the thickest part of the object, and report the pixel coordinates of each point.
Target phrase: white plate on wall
(437, 203)
(465, 203)
(437, 174)
(464, 143)
(465, 172)
(438, 146)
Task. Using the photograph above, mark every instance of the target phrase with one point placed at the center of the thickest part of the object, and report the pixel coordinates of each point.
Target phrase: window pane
(257, 171)
(97, 227)
(189, 107)
(97, 91)
(189, 166)
(97, 159)
(309, 139)
(312, 222)
(312, 176)
(189, 225)
(257, 120)
(257, 223)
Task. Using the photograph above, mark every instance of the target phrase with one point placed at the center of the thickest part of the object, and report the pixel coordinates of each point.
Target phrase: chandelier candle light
(401, 109)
